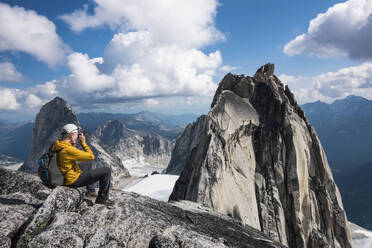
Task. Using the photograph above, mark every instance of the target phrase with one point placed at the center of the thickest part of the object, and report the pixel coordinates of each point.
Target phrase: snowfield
(158, 186)
(15, 166)
(362, 242)
(139, 167)
(362, 238)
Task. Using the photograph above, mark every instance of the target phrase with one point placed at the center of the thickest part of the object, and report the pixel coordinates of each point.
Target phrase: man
(74, 177)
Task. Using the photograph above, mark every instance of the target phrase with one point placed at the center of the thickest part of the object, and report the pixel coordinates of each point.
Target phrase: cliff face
(256, 157)
(49, 121)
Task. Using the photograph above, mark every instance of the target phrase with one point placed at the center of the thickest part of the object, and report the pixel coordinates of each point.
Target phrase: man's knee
(107, 171)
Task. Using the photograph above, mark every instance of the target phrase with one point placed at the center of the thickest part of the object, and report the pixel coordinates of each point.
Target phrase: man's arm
(79, 155)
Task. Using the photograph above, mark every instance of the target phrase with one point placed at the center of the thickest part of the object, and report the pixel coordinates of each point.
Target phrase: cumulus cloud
(8, 73)
(345, 29)
(85, 75)
(153, 61)
(151, 56)
(27, 100)
(159, 70)
(8, 100)
(33, 101)
(162, 73)
(329, 86)
(187, 23)
(26, 31)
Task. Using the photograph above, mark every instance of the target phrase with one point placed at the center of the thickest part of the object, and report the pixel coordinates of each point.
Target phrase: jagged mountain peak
(264, 72)
(57, 102)
(265, 92)
(116, 123)
(112, 131)
(256, 158)
(135, 145)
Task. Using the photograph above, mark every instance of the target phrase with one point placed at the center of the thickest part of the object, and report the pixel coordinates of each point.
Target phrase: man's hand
(81, 138)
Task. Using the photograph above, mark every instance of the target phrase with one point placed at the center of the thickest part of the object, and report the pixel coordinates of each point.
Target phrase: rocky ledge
(35, 216)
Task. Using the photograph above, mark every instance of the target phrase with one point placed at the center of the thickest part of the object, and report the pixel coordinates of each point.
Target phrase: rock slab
(65, 219)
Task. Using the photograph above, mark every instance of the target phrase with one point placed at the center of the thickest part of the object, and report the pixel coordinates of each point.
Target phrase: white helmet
(70, 128)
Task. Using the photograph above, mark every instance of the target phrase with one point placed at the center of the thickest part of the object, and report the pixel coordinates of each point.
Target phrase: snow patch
(362, 239)
(139, 167)
(157, 186)
(13, 166)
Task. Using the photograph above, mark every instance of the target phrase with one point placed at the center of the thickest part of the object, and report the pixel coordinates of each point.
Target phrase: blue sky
(169, 56)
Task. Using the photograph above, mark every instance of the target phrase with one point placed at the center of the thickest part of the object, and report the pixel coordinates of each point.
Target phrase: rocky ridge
(49, 121)
(35, 216)
(256, 158)
(128, 144)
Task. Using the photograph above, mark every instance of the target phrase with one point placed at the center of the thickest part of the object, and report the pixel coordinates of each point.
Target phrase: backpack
(48, 171)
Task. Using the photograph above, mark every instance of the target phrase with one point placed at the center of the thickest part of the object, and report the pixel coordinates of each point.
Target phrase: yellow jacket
(67, 158)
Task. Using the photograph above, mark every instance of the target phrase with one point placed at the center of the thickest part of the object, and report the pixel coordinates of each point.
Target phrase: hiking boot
(91, 194)
(107, 203)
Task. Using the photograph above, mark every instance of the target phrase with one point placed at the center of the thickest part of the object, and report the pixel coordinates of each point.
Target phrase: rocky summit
(256, 158)
(49, 121)
(35, 216)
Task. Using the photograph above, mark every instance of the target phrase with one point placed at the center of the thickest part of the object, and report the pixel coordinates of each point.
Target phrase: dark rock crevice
(17, 235)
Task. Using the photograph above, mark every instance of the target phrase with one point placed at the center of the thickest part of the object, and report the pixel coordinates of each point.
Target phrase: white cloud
(85, 75)
(98, 60)
(228, 68)
(152, 56)
(345, 29)
(33, 101)
(356, 80)
(187, 23)
(159, 70)
(164, 72)
(153, 60)
(8, 100)
(26, 31)
(352, 80)
(151, 102)
(8, 73)
(47, 90)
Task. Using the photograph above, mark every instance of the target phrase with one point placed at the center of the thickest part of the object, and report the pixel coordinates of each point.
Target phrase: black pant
(88, 177)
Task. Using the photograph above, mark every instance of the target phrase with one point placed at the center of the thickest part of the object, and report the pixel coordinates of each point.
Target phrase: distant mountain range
(345, 131)
(166, 125)
(16, 137)
(356, 191)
